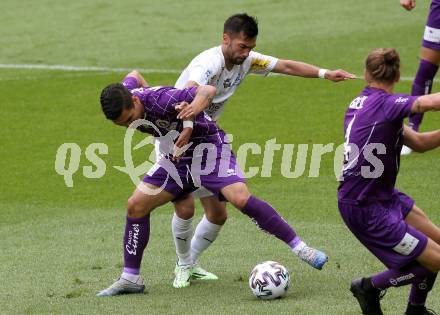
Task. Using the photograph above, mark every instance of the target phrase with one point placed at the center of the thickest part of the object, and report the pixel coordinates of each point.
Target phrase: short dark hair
(241, 23)
(383, 65)
(114, 98)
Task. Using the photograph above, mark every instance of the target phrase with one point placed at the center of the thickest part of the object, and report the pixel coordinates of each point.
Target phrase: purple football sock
(137, 233)
(420, 290)
(269, 220)
(422, 85)
(412, 273)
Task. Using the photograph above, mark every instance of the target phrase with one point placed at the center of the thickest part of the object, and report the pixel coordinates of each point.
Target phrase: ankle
(367, 285)
(130, 277)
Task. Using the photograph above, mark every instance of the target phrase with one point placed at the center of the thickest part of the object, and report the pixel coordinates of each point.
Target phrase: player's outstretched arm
(139, 78)
(203, 97)
(421, 141)
(408, 4)
(305, 70)
(426, 103)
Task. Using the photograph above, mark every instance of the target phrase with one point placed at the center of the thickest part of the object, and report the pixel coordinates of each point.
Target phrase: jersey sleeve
(130, 83)
(398, 106)
(166, 102)
(203, 71)
(185, 95)
(261, 64)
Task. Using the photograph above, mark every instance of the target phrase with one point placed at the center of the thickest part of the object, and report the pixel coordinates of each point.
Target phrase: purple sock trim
(293, 243)
(131, 271)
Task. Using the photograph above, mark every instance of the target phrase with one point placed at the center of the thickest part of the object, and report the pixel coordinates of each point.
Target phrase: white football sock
(182, 234)
(205, 234)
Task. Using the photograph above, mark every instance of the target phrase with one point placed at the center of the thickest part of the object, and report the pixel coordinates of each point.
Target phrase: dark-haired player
(385, 220)
(225, 67)
(171, 180)
(429, 59)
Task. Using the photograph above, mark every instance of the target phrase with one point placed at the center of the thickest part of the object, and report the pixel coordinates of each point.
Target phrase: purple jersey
(373, 128)
(159, 105)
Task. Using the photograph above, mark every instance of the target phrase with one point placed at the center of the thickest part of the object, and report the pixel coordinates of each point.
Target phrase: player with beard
(207, 160)
(225, 68)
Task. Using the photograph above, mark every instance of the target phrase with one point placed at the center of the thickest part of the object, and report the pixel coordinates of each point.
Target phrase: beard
(238, 60)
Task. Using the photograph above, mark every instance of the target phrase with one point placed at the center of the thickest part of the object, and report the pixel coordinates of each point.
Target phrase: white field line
(16, 77)
(106, 69)
(80, 68)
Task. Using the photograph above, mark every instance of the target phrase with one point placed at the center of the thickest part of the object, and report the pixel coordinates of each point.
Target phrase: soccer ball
(269, 280)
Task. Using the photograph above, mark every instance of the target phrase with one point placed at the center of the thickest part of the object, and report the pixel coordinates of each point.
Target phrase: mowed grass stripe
(90, 256)
(68, 68)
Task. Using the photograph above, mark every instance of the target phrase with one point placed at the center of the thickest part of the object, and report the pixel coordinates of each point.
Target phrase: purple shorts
(213, 172)
(431, 37)
(380, 226)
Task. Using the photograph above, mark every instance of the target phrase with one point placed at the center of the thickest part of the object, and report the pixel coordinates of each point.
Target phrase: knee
(433, 263)
(135, 209)
(435, 267)
(221, 218)
(184, 209)
(217, 215)
(239, 200)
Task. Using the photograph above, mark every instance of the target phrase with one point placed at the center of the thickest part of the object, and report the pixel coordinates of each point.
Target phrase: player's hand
(179, 107)
(186, 111)
(183, 140)
(408, 4)
(339, 75)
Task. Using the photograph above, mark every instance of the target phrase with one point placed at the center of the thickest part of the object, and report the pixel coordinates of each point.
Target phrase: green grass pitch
(60, 245)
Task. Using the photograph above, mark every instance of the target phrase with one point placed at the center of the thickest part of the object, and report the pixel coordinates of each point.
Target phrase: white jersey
(208, 68)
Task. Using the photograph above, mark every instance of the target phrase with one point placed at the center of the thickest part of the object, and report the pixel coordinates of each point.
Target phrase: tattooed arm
(425, 103)
(204, 96)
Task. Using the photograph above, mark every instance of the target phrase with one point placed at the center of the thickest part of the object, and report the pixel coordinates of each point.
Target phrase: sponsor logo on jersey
(401, 100)
(231, 172)
(213, 107)
(166, 124)
(207, 75)
(358, 102)
(259, 64)
(227, 83)
(238, 79)
(137, 90)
